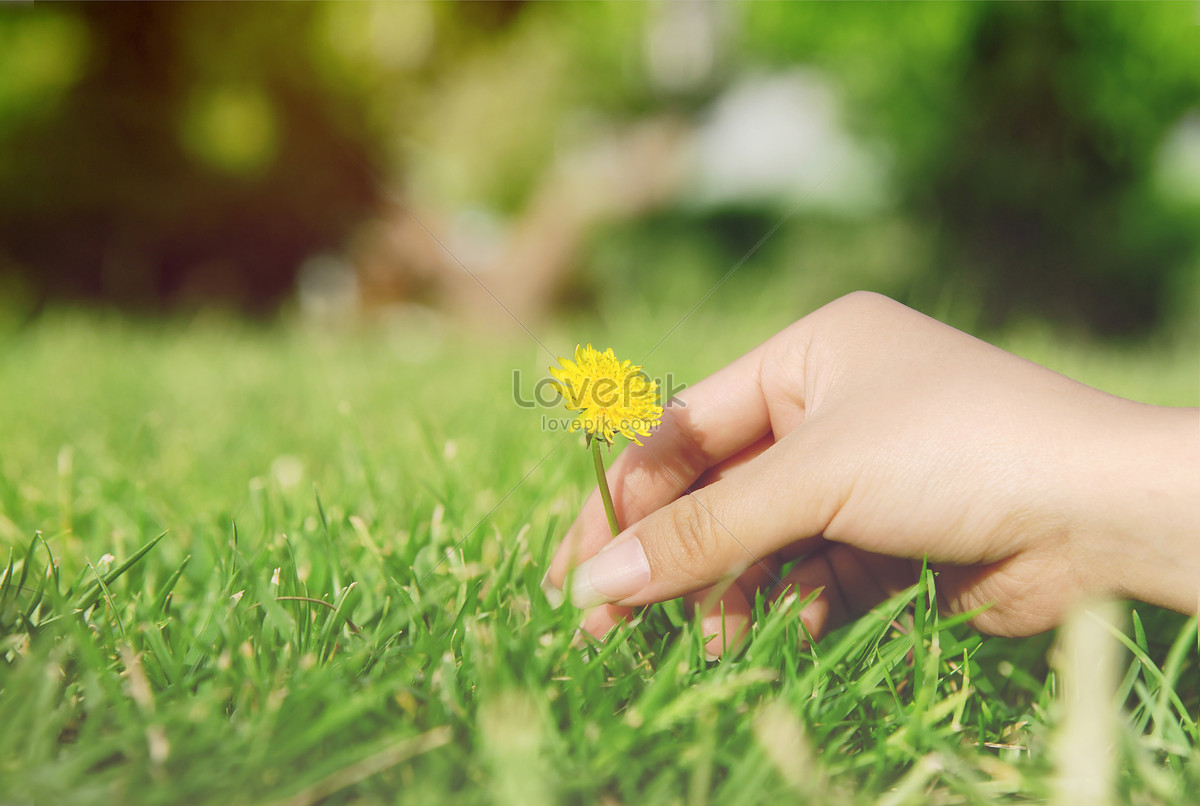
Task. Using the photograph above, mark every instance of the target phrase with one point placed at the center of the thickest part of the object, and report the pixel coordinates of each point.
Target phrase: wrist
(1146, 509)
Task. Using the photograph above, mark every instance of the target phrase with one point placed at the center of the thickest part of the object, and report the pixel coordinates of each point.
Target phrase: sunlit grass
(345, 608)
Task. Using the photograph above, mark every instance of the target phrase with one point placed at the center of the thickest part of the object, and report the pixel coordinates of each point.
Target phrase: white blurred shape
(288, 471)
(780, 138)
(1086, 658)
(1178, 169)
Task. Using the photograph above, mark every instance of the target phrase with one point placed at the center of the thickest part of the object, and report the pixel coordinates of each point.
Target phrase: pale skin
(866, 437)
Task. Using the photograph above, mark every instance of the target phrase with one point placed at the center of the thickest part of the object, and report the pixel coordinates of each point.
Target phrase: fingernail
(618, 571)
(554, 594)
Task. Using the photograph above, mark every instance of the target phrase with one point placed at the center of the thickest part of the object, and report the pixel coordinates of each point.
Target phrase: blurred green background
(1018, 161)
(266, 277)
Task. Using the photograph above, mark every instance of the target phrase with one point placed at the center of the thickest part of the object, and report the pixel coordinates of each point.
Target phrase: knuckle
(866, 300)
(693, 538)
(860, 306)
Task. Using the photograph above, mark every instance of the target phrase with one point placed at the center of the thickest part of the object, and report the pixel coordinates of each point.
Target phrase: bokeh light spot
(232, 129)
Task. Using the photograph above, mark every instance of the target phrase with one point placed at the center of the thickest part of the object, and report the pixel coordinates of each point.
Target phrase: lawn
(340, 602)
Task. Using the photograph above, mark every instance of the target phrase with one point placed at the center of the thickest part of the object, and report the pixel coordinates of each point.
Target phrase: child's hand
(867, 436)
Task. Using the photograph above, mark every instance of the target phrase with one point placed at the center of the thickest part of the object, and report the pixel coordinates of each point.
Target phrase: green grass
(343, 606)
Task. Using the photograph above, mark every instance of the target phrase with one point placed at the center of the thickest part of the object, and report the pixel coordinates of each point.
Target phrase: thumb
(712, 534)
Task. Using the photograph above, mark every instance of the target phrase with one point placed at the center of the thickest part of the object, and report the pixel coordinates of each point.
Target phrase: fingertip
(819, 615)
(560, 563)
(815, 617)
(726, 619)
(587, 534)
(727, 632)
(599, 621)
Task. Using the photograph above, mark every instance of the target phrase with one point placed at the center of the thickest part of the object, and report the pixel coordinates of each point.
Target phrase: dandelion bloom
(612, 396)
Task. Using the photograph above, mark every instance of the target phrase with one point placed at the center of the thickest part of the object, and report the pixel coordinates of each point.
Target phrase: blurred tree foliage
(1025, 136)
(173, 153)
(158, 153)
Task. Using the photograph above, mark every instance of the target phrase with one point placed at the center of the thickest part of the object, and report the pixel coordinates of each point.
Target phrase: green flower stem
(604, 491)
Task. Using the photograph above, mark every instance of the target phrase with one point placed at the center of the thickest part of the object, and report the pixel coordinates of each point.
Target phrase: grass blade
(90, 596)
(160, 604)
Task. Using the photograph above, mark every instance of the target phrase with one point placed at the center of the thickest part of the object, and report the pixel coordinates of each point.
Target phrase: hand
(866, 437)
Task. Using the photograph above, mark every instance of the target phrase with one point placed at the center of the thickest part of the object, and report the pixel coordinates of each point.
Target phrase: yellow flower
(611, 396)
